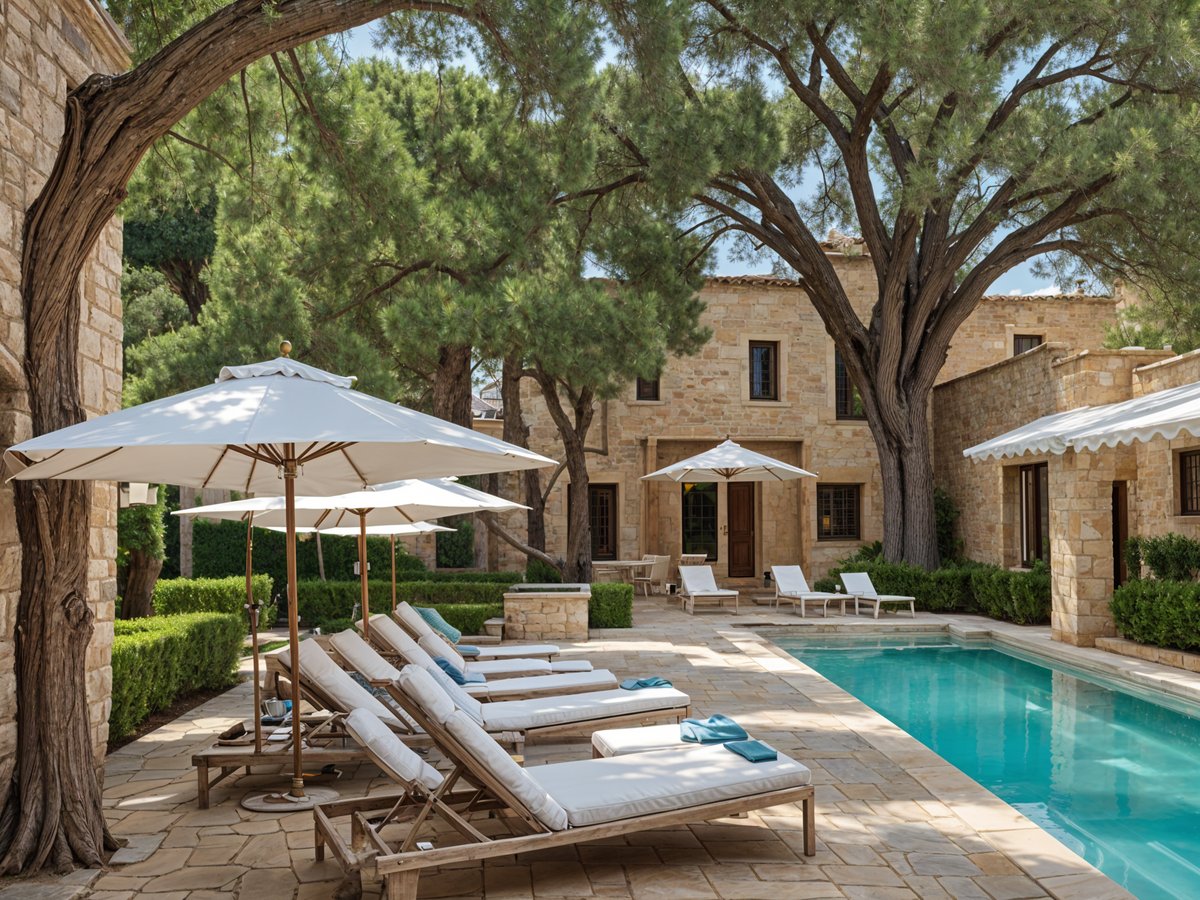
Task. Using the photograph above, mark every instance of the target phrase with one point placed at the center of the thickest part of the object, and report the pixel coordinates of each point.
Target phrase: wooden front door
(741, 529)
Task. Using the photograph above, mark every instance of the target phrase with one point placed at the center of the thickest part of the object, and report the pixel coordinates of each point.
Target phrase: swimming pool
(1112, 775)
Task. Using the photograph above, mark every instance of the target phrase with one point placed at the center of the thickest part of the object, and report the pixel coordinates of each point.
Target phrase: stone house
(46, 49)
(1073, 509)
(771, 380)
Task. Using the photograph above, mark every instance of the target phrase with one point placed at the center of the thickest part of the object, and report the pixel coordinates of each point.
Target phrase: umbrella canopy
(372, 530)
(397, 503)
(728, 462)
(239, 432)
(271, 427)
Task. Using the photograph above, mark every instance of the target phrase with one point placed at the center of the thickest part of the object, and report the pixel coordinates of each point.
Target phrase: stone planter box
(547, 612)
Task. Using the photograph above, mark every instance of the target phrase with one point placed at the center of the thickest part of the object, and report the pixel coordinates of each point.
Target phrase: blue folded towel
(755, 751)
(716, 729)
(467, 650)
(457, 674)
(636, 684)
(435, 621)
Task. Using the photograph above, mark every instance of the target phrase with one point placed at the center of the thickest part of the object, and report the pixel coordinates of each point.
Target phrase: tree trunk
(578, 566)
(137, 601)
(452, 385)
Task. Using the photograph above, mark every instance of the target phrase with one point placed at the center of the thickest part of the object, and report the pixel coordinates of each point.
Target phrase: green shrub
(1133, 558)
(1022, 597)
(1170, 557)
(456, 549)
(322, 601)
(1160, 612)
(611, 606)
(945, 516)
(158, 659)
(538, 572)
(226, 595)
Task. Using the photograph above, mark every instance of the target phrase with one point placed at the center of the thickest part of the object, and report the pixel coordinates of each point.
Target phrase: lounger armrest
(898, 598)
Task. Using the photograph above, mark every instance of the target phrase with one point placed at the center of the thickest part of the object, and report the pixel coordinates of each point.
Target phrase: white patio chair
(698, 583)
(858, 585)
(790, 584)
(656, 579)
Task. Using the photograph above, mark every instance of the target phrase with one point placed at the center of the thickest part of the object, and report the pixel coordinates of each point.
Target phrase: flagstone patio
(893, 819)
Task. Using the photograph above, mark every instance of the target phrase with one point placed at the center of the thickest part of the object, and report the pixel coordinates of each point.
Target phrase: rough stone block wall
(546, 617)
(46, 48)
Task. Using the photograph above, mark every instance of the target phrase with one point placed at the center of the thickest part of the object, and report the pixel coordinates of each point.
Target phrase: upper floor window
(647, 389)
(1189, 483)
(849, 400)
(1025, 342)
(764, 370)
(838, 507)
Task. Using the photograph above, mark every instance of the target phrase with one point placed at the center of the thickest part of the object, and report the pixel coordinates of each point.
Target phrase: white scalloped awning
(1162, 414)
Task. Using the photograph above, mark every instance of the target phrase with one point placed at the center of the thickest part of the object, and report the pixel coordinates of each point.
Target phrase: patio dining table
(624, 569)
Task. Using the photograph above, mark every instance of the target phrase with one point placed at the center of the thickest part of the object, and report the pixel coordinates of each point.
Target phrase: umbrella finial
(285, 347)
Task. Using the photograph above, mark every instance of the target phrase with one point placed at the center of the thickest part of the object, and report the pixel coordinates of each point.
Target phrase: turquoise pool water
(1112, 775)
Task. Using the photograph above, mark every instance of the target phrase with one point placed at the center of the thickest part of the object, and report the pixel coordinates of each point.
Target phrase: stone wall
(551, 615)
(48, 48)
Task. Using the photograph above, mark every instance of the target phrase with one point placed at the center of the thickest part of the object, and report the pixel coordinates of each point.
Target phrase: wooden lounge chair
(519, 721)
(656, 579)
(790, 584)
(368, 663)
(698, 583)
(412, 622)
(544, 806)
(858, 585)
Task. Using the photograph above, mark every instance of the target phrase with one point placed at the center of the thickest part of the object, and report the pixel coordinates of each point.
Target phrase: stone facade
(706, 397)
(554, 614)
(47, 49)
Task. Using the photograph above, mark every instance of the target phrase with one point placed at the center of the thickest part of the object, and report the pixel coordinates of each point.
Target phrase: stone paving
(893, 819)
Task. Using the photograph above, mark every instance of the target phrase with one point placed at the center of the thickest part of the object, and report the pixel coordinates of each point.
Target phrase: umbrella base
(277, 801)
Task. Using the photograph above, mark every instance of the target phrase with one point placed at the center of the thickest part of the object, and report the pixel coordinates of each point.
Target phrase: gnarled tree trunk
(142, 573)
(452, 385)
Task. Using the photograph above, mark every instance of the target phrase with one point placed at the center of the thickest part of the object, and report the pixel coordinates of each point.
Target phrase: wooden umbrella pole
(289, 488)
(252, 610)
(362, 571)
(393, 574)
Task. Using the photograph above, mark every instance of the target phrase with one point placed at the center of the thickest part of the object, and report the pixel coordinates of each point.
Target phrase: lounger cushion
(390, 753)
(436, 647)
(508, 651)
(398, 641)
(419, 686)
(362, 658)
(483, 748)
(499, 689)
(620, 741)
(625, 787)
(460, 698)
(411, 620)
(435, 621)
(317, 668)
(516, 715)
(509, 668)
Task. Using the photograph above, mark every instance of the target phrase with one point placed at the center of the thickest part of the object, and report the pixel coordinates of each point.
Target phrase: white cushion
(344, 693)
(434, 645)
(499, 689)
(507, 651)
(625, 787)
(508, 668)
(620, 741)
(570, 665)
(457, 695)
(398, 640)
(362, 657)
(517, 715)
(419, 686)
(698, 580)
(411, 620)
(790, 579)
(484, 750)
(390, 753)
(859, 583)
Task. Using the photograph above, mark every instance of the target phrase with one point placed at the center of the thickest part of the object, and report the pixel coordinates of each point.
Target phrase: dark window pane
(647, 388)
(1189, 483)
(1035, 514)
(1025, 342)
(849, 401)
(700, 519)
(764, 370)
(838, 512)
(602, 516)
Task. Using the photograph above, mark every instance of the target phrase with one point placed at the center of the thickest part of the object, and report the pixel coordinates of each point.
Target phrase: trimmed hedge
(1169, 557)
(611, 606)
(1160, 612)
(225, 595)
(157, 659)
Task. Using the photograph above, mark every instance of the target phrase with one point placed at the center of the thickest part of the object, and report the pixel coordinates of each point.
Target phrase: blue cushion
(636, 684)
(436, 622)
(466, 650)
(457, 674)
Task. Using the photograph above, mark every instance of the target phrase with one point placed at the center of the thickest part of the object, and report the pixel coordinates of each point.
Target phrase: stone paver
(893, 820)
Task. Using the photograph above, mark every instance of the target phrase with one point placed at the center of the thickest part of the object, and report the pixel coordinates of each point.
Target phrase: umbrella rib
(88, 462)
(250, 475)
(356, 469)
(215, 465)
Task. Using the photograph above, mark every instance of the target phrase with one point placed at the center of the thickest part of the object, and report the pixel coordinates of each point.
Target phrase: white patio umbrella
(269, 427)
(729, 462)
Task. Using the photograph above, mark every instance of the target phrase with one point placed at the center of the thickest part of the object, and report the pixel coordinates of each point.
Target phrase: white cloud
(1047, 291)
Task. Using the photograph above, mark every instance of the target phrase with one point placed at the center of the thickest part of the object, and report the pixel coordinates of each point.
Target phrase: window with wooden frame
(839, 512)
(699, 521)
(1022, 343)
(647, 389)
(764, 370)
(1189, 483)
(1035, 513)
(849, 403)
(602, 516)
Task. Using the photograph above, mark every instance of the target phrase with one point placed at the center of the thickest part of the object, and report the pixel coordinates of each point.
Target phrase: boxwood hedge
(227, 595)
(1160, 612)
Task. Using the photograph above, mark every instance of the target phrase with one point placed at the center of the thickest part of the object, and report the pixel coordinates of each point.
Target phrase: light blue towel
(457, 674)
(466, 650)
(437, 623)
(636, 684)
(716, 729)
(755, 751)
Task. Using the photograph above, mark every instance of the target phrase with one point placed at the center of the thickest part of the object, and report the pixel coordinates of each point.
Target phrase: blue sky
(1020, 280)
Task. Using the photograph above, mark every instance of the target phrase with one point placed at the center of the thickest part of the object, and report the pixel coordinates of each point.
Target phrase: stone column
(1081, 559)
